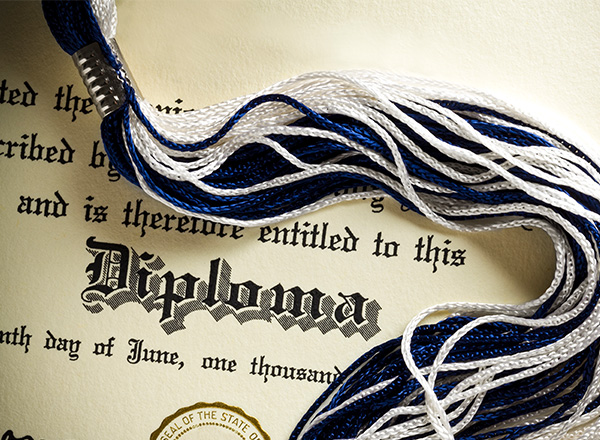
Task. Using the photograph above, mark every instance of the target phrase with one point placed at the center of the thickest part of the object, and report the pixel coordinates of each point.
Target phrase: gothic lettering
(69, 346)
(95, 213)
(28, 148)
(120, 275)
(259, 367)
(219, 364)
(299, 303)
(24, 96)
(18, 336)
(109, 270)
(46, 207)
(140, 218)
(428, 252)
(307, 235)
(140, 353)
(99, 160)
(67, 101)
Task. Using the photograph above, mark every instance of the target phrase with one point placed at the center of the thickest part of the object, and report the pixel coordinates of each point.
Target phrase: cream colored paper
(188, 54)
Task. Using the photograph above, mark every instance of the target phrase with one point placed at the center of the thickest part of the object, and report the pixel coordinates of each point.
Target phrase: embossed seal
(209, 421)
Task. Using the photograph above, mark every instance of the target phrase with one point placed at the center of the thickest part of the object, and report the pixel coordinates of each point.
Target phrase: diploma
(120, 318)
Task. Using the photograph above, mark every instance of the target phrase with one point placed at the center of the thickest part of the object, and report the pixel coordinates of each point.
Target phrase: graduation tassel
(462, 158)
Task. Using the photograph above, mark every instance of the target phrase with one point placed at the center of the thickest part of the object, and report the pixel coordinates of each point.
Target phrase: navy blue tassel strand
(462, 158)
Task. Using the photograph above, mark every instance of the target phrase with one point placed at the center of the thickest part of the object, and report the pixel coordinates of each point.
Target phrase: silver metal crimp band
(103, 83)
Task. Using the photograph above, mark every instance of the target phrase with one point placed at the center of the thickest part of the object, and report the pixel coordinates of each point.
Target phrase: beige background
(541, 54)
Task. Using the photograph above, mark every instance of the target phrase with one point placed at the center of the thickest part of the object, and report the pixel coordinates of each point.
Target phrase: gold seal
(209, 421)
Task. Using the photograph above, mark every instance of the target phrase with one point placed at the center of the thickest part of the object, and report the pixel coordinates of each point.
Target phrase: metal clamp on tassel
(103, 83)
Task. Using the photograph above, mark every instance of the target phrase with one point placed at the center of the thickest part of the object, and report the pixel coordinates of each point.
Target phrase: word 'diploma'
(119, 275)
